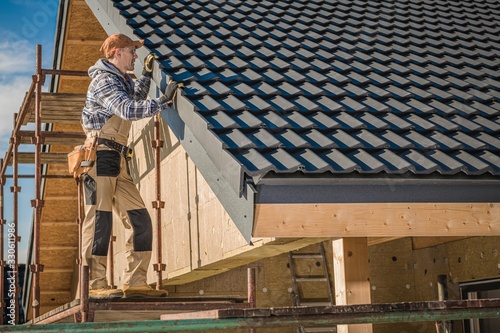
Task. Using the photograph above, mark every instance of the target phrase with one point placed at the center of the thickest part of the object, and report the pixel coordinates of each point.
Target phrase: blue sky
(23, 25)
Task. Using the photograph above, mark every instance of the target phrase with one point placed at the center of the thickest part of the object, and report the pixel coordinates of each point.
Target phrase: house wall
(398, 273)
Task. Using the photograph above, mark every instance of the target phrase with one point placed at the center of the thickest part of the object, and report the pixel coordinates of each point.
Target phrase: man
(113, 101)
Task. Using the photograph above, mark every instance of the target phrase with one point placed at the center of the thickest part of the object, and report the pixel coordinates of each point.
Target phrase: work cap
(118, 41)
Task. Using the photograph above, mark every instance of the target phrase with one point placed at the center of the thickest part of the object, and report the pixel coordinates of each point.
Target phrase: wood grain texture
(377, 220)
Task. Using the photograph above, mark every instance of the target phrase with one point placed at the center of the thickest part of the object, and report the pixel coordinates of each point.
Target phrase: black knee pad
(102, 232)
(143, 229)
(90, 189)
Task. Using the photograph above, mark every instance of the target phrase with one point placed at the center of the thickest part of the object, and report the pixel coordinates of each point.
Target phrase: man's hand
(148, 64)
(170, 90)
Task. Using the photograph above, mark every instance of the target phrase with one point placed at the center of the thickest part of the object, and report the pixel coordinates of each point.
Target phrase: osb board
(386, 259)
(84, 26)
(63, 234)
(60, 187)
(377, 220)
(54, 299)
(64, 212)
(55, 281)
(55, 258)
(392, 279)
(76, 84)
(473, 259)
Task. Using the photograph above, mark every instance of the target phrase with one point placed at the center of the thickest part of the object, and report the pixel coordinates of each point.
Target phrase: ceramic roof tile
(348, 86)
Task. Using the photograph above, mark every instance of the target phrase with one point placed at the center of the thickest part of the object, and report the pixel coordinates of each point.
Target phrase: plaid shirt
(111, 94)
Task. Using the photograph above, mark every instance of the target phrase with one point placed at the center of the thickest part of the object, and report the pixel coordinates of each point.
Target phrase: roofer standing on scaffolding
(113, 102)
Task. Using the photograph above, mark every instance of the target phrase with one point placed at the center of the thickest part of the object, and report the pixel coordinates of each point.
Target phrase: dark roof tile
(370, 140)
(366, 162)
(447, 164)
(393, 162)
(349, 86)
(420, 163)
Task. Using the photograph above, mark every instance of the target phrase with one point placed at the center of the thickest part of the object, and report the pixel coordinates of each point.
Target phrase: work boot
(105, 293)
(142, 291)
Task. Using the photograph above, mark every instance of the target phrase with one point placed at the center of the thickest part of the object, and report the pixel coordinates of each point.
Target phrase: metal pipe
(111, 261)
(84, 301)
(36, 268)
(63, 72)
(59, 316)
(42, 176)
(442, 283)
(79, 221)
(158, 204)
(13, 239)
(252, 295)
(297, 319)
(2, 223)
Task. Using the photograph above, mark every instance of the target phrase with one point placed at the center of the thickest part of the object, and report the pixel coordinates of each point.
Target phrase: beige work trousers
(107, 195)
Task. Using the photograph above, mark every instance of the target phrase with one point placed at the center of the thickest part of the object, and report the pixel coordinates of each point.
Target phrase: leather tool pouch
(82, 158)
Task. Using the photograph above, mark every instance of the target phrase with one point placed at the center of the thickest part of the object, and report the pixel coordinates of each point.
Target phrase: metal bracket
(159, 267)
(158, 204)
(36, 268)
(15, 189)
(157, 143)
(35, 203)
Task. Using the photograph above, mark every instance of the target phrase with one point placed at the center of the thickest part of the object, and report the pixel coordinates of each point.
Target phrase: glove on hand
(170, 90)
(148, 65)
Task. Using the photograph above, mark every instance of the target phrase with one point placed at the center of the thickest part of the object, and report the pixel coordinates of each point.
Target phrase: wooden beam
(351, 276)
(377, 220)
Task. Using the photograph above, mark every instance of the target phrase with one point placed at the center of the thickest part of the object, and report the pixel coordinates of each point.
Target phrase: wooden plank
(214, 314)
(352, 277)
(47, 158)
(377, 220)
(54, 138)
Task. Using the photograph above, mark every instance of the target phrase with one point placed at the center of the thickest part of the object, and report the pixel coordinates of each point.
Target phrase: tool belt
(123, 150)
(82, 158)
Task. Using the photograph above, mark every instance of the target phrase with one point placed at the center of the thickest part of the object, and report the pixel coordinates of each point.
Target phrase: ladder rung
(306, 255)
(311, 279)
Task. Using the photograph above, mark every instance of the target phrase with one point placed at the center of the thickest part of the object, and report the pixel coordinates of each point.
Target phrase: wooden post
(351, 276)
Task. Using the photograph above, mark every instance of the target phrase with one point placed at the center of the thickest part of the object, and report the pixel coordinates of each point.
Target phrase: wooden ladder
(302, 283)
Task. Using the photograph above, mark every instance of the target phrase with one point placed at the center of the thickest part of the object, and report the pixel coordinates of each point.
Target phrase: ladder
(308, 272)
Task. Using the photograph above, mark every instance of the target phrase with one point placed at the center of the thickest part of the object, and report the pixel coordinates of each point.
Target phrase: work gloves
(169, 93)
(148, 65)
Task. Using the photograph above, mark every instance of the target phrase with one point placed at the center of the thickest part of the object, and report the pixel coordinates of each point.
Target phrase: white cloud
(12, 92)
(16, 56)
